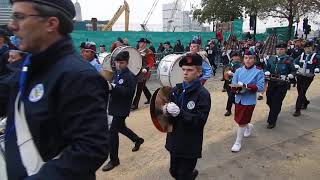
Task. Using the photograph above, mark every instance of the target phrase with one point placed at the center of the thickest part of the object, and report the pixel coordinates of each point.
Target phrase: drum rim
(179, 56)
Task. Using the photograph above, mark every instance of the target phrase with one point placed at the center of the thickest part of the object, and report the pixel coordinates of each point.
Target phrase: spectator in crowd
(178, 47)
(167, 49)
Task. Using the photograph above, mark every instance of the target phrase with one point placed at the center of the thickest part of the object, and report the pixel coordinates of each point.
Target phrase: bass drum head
(169, 72)
(135, 60)
(107, 71)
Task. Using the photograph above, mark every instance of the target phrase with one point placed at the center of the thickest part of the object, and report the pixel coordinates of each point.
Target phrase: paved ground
(288, 152)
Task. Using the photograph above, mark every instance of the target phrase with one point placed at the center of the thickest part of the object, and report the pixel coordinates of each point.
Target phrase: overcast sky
(105, 9)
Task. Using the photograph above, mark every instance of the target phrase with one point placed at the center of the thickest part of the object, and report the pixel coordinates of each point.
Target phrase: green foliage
(217, 10)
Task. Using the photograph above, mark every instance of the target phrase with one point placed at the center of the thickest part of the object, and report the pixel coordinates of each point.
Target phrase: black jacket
(187, 136)
(122, 94)
(67, 116)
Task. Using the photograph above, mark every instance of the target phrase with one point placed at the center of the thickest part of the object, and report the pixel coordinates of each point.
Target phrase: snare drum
(169, 72)
(135, 60)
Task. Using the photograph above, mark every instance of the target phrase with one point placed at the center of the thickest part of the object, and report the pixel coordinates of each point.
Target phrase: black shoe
(305, 106)
(147, 102)
(260, 97)
(294, 85)
(271, 126)
(224, 90)
(133, 107)
(137, 145)
(297, 113)
(222, 79)
(110, 166)
(195, 173)
(228, 113)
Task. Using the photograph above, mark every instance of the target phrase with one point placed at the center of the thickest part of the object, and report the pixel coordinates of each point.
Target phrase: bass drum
(135, 60)
(107, 71)
(169, 72)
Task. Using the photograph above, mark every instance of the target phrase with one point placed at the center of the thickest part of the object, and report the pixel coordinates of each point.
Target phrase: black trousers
(276, 93)
(119, 125)
(182, 168)
(231, 97)
(141, 86)
(303, 83)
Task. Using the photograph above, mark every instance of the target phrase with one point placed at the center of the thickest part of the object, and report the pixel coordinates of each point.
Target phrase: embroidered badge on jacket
(36, 93)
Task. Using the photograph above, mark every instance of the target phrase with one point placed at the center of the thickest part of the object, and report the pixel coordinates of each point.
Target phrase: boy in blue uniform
(188, 111)
(308, 63)
(249, 80)
(122, 91)
(279, 71)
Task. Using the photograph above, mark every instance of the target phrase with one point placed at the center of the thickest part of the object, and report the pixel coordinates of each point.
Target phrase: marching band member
(206, 67)
(122, 91)
(188, 111)
(279, 71)
(89, 54)
(249, 80)
(233, 66)
(144, 74)
(307, 63)
(103, 53)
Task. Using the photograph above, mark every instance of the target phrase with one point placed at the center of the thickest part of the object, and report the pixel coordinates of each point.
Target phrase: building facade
(78, 11)
(5, 12)
(175, 19)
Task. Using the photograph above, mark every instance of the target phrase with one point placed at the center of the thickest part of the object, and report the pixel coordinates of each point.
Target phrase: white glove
(240, 83)
(290, 76)
(316, 70)
(144, 71)
(296, 66)
(262, 60)
(173, 109)
(267, 73)
(230, 73)
(283, 77)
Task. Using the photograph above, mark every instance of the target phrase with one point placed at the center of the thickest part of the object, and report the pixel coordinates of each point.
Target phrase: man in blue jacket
(188, 111)
(122, 91)
(61, 97)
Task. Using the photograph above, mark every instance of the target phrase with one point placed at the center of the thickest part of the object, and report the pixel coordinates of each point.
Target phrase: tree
(291, 10)
(217, 10)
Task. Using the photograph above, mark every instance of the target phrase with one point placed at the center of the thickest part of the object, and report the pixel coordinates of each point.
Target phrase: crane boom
(145, 22)
(122, 8)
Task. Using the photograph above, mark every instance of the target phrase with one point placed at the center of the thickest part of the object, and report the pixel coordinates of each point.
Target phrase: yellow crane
(125, 8)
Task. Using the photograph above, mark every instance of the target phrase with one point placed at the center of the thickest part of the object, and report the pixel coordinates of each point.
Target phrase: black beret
(82, 45)
(122, 56)
(196, 41)
(102, 45)
(308, 44)
(191, 60)
(120, 40)
(235, 53)
(144, 40)
(281, 45)
(65, 6)
(167, 42)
